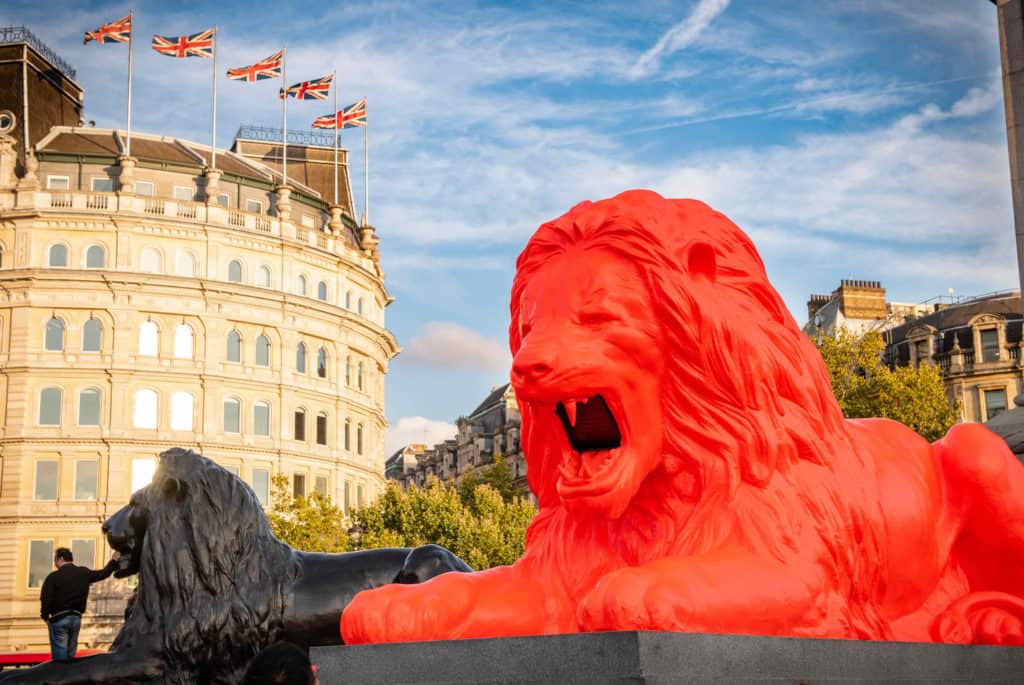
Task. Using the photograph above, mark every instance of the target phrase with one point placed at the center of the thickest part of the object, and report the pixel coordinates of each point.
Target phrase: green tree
(866, 387)
(498, 475)
(311, 523)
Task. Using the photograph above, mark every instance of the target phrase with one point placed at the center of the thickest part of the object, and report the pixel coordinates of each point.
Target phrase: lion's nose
(528, 370)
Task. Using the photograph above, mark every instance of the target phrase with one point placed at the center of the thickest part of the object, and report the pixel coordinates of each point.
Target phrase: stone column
(335, 223)
(1011, 47)
(29, 183)
(212, 184)
(8, 162)
(126, 177)
(284, 203)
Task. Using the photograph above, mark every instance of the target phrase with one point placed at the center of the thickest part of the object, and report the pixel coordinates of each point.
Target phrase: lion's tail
(995, 618)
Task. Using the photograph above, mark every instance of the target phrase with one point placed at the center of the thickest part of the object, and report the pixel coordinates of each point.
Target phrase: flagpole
(366, 172)
(213, 125)
(131, 34)
(284, 116)
(336, 128)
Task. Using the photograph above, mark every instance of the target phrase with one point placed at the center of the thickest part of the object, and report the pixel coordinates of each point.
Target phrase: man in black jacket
(63, 598)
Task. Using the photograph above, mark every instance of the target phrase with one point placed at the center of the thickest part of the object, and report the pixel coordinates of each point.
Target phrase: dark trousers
(64, 637)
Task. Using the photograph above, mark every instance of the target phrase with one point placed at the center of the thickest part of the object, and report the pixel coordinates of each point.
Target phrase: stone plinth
(653, 657)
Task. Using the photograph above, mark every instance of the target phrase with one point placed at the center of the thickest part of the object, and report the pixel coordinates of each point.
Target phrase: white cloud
(416, 429)
(448, 345)
(679, 36)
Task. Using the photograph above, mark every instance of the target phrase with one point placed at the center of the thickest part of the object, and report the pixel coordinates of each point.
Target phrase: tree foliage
(866, 387)
(483, 519)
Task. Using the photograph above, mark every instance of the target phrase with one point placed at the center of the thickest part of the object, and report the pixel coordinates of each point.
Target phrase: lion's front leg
(500, 602)
(717, 593)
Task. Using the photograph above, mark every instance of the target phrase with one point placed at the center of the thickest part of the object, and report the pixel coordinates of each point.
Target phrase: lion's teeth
(570, 411)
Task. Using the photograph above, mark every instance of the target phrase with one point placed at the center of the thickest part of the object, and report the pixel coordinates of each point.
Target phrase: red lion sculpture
(694, 470)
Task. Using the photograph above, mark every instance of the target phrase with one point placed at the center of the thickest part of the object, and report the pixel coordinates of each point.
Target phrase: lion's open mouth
(589, 424)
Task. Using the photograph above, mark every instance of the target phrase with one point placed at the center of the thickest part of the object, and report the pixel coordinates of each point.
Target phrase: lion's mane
(754, 441)
(213, 600)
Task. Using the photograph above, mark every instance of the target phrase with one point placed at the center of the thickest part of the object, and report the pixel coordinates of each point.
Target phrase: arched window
(95, 257)
(89, 407)
(146, 405)
(359, 306)
(58, 255)
(321, 363)
(234, 347)
(348, 299)
(50, 400)
(92, 335)
(359, 439)
(185, 264)
(149, 339)
(301, 285)
(183, 342)
(300, 358)
(348, 370)
(263, 276)
(359, 376)
(182, 410)
(261, 418)
(321, 428)
(54, 335)
(152, 261)
(232, 415)
(348, 434)
(300, 425)
(235, 271)
(321, 291)
(262, 351)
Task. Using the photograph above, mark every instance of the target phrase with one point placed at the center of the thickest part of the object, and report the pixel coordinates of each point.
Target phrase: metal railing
(271, 134)
(20, 34)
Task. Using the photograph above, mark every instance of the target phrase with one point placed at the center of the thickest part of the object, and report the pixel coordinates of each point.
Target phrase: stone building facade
(152, 301)
(490, 430)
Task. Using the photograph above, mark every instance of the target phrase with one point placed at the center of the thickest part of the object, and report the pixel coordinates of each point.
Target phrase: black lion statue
(216, 587)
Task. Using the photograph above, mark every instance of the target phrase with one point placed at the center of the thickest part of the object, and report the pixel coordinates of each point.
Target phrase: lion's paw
(397, 613)
(631, 598)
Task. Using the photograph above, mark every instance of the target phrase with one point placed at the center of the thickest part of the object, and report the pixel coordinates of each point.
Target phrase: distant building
(976, 344)
(152, 301)
(490, 430)
(859, 306)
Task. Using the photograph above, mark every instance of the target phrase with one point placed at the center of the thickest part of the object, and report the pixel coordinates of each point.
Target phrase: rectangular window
(348, 496)
(261, 418)
(359, 495)
(58, 183)
(254, 206)
(300, 425)
(183, 193)
(990, 346)
(321, 430)
(40, 561)
(321, 485)
(144, 188)
(261, 485)
(89, 408)
(47, 473)
(231, 468)
(142, 473)
(923, 352)
(102, 184)
(224, 200)
(299, 485)
(995, 403)
(84, 552)
(86, 479)
(231, 416)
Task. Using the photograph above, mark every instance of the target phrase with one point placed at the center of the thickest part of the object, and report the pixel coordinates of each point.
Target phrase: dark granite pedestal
(640, 657)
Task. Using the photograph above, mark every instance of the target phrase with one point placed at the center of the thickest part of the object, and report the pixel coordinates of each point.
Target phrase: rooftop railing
(20, 34)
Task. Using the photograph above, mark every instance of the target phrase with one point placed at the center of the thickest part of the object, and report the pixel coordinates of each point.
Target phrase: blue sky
(850, 139)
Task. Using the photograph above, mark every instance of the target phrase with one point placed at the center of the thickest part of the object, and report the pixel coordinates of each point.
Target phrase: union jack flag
(264, 69)
(196, 45)
(350, 117)
(317, 89)
(119, 31)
